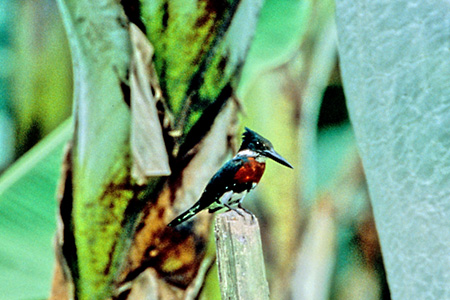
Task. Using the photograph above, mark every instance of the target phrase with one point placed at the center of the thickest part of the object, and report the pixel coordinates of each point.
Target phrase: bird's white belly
(231, 198)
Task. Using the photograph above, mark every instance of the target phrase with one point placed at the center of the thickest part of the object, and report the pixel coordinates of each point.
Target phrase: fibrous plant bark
(143, 149)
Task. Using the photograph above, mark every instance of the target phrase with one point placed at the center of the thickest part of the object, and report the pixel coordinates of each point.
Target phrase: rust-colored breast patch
(251, 171)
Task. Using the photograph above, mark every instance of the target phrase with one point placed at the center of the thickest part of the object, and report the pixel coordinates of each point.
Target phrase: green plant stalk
(200, 47)
(182, 33)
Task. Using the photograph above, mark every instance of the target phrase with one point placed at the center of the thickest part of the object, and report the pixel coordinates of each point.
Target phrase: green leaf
(27, 218)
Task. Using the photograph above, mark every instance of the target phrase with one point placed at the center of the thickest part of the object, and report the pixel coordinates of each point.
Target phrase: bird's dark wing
(218, 185)
(224, 181)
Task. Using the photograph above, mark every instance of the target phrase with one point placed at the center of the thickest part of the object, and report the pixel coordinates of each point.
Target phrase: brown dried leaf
(60, 284)
(145, 286)
(148, 149)
(148, 286)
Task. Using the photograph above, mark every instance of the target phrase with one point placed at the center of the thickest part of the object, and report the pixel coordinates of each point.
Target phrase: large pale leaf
(27, 218)
(101, 50)
(395, 61)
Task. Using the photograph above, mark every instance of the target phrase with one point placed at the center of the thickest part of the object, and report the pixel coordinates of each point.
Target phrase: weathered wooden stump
(240, 258)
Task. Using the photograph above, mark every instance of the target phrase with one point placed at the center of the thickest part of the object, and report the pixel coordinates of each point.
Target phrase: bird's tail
(186, 215)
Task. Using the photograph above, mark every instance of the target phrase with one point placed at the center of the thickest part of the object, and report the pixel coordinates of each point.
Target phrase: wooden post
(240, 259)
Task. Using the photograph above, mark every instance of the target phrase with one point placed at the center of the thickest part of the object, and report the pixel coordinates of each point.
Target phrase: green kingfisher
(228, 187)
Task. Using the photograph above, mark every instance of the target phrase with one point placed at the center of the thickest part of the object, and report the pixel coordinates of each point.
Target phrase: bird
(236, 178)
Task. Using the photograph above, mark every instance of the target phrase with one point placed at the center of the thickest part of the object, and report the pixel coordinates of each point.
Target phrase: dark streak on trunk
(132, 9)
(202, 127)
(126, 93)
(221, 30)
(68, 248)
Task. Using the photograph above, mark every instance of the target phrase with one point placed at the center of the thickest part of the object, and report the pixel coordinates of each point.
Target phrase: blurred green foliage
(281, 28)
(41, 87)
(7, 137)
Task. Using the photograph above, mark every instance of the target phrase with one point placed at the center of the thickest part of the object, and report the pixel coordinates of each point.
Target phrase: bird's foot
(247, 211)
(234, 209)
(213, 210)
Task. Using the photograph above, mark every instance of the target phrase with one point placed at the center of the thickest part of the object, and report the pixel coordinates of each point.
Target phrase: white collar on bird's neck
(250, 153)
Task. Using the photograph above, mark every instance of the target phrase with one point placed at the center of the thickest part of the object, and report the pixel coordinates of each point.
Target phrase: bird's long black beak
(277, 157)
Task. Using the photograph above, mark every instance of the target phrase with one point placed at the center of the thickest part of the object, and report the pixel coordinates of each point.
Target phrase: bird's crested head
(255, 143)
